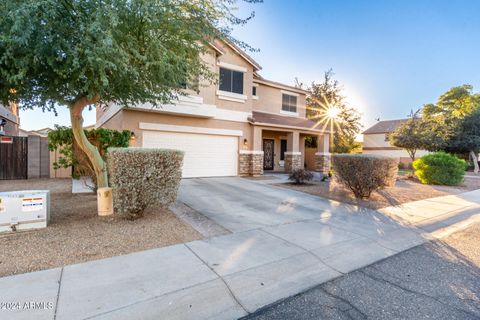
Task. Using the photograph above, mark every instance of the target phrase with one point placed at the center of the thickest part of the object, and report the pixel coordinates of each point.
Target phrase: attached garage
(206, 155)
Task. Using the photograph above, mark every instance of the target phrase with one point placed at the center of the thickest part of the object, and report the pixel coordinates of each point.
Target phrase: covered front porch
(283, 150)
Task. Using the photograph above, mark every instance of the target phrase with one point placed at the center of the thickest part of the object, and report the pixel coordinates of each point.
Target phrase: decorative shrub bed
(300, 176)
(440, 168)
(363, 173)
(142, 178)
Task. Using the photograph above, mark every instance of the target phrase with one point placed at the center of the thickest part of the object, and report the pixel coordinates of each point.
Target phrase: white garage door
(205, 155)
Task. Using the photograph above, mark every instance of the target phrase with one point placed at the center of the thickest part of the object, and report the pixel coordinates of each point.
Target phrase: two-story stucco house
(376, 141)
(243, 125)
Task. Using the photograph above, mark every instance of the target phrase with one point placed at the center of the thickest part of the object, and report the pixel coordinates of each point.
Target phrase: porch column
(322, 156)
(257, 139)
(293, 156)
(251, 161)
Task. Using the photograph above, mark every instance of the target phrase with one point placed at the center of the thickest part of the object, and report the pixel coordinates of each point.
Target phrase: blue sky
(391, 56)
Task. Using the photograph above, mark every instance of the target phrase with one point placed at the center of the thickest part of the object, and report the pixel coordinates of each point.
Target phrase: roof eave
(280, 85)
(266, 124)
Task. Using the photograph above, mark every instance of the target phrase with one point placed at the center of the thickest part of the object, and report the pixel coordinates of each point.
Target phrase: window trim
(231, 96)
(289, 113)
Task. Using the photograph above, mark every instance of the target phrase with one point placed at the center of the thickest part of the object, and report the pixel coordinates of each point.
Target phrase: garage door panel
(205, 155)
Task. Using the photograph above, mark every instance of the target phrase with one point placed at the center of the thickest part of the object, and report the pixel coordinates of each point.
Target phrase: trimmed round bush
(440, 168)
(364, 173)
(142, 178)
(300, 176)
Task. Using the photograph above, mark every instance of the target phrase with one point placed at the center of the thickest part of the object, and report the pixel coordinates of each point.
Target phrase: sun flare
(332, 112)
(326, 115)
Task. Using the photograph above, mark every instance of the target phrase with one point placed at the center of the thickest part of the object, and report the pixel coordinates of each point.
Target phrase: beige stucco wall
(207, 90)
(375, 141)
(378, 141)
(270, 100)
(130, 120)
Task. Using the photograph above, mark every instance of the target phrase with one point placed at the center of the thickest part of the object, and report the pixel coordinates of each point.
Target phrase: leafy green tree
(415, 134)
(79, 53)
(456, 103)
(344, 138)
(454, 116)
(466, 138)
(61, 139)
(326, 105)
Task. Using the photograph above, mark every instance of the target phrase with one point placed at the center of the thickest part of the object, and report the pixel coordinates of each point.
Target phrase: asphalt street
(437, 280)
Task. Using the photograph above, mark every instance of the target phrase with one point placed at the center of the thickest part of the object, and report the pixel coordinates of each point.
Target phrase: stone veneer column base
(250, 163)
(293, 160)
(322, 162)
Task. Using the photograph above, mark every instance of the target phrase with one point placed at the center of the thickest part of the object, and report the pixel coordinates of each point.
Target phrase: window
(387, 137)
(289, 103)
(283, 149)
(254, 91)
(231, 81)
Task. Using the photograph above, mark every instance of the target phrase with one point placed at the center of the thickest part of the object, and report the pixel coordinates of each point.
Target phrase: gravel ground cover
(405, 190)
(76, 234)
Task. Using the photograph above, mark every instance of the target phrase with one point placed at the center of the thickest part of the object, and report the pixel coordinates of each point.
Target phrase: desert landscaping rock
(404, 191)
(76, 234)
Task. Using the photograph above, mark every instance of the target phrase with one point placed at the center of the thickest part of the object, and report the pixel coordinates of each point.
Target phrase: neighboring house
(375, 141)
(242, 126)
(9, 120)
(40, 132)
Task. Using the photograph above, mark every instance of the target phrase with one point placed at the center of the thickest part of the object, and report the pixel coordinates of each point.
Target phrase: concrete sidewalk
(439, 216)
(271, 256)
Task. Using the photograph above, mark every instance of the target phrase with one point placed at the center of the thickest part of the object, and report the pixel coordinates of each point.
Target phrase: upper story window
(231, 81)
(254, 91)
(289, 103)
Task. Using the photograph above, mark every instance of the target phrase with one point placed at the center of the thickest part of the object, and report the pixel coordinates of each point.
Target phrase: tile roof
(284, 121)
(384, 126)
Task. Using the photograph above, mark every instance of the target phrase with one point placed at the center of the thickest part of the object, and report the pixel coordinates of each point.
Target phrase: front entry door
(268, 153)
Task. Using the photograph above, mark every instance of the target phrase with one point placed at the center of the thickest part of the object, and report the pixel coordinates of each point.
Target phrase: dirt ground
(76, 234)
(405, 190)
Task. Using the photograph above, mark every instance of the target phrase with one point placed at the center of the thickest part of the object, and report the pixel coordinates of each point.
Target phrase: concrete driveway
(240, 204)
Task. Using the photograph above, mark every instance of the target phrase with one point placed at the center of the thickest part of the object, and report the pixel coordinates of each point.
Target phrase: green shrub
(299, 176)
(143, 178)
(72, 156)
(364, 173)
(440, 168)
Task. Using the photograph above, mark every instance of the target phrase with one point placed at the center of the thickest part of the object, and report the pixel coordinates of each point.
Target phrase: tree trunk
(412, 153)
(90, 150)
(475, 161)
